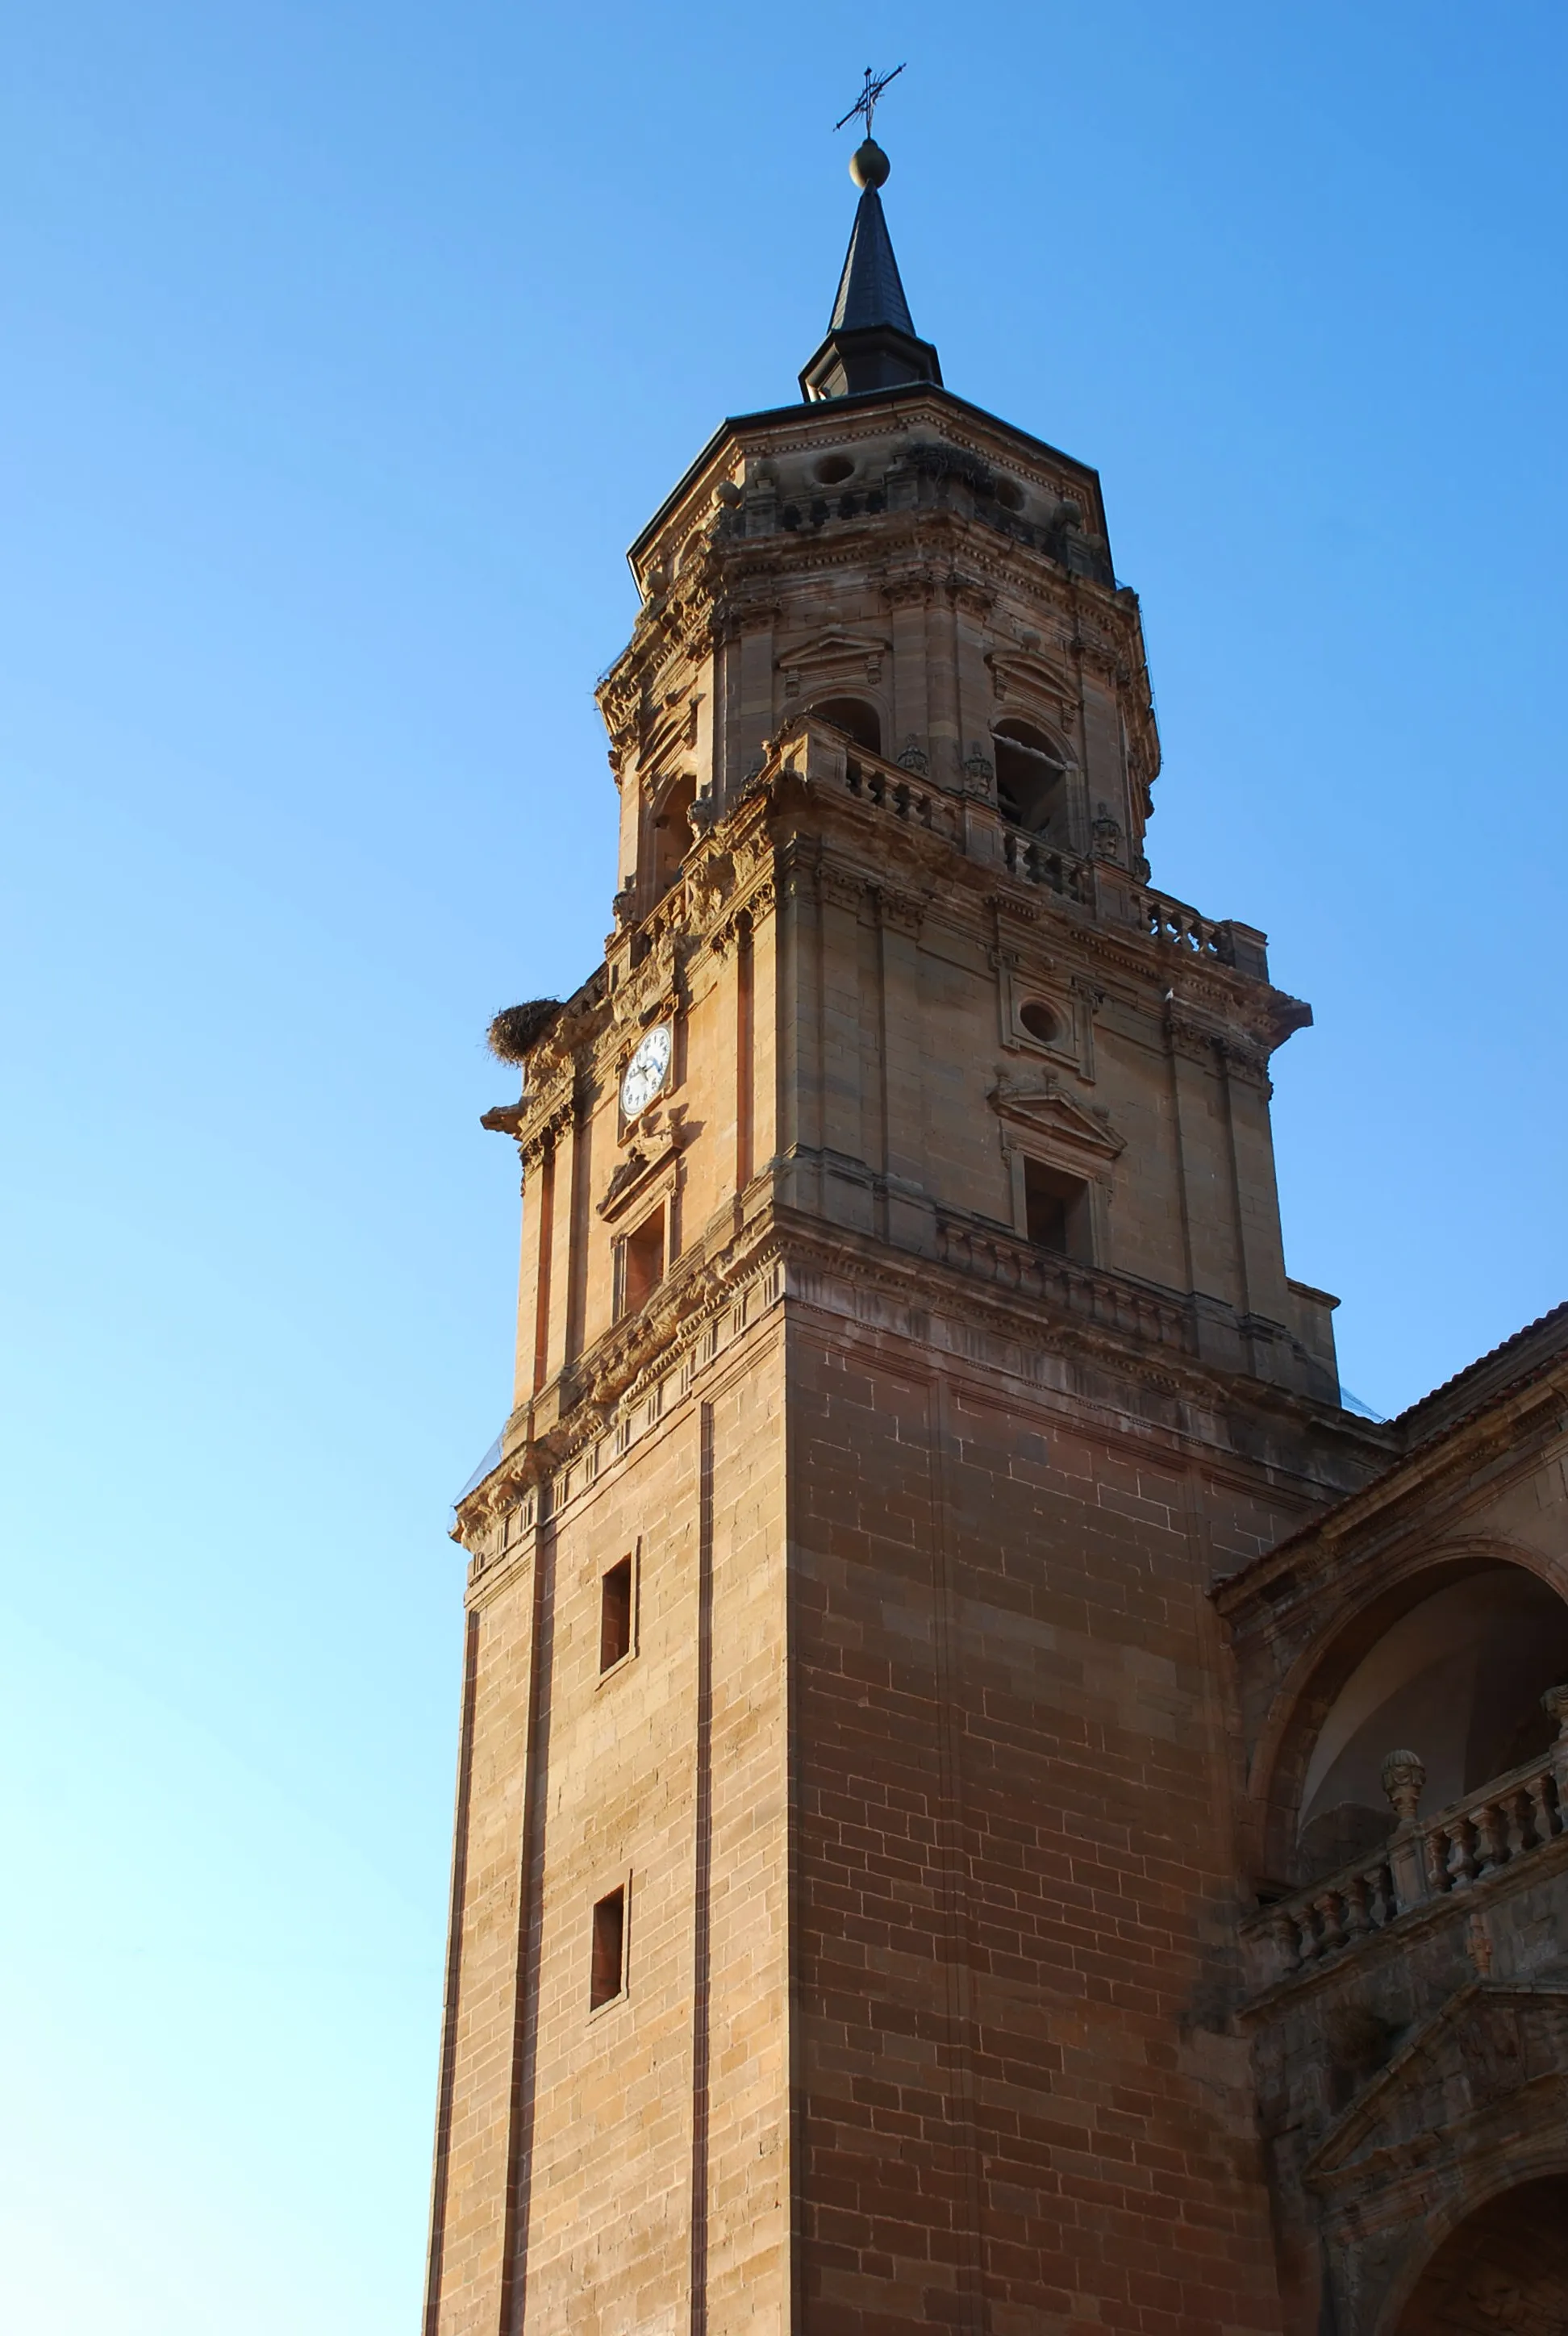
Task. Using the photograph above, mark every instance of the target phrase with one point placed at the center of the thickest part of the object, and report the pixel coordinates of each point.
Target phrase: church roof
(1536, 1348)
(1482, 1387)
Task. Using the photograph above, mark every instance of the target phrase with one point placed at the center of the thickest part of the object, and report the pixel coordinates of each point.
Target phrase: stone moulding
(1465, 2065)
(1043, 1107)
(988, 1296)
(1472, 2104)
(618, 1370)
(636, 1175)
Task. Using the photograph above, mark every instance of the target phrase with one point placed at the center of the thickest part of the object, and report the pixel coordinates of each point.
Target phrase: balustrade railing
(1172, 920)
(1520, 1813)
(903, 797)
(1034, 862)
(900, 790)
(1425, 1859)
(1112, 1302)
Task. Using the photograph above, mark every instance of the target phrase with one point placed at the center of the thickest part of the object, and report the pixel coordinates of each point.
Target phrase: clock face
(645, 1072)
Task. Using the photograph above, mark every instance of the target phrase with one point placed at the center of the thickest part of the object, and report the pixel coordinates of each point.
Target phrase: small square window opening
(615, 1615)
(608, 1979)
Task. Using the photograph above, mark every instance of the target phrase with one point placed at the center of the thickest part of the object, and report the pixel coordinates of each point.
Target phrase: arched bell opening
(856, 717)
(1454, 1675)
(1031, 780)
(671, 833)
(1506, 2267)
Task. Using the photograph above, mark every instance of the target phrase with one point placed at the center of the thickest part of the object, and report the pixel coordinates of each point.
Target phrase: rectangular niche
(607, 1976)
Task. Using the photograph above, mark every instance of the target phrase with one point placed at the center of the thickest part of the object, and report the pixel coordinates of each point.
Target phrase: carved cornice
(620, 1368)
(1248, 1063)
(908, 587)
(1197, 1040)
(844, 886)
(538, 1121)
(970, 593)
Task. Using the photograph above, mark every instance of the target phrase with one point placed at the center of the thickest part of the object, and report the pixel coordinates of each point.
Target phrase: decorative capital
(846, 886)
(900, 912)
(1247, 1062)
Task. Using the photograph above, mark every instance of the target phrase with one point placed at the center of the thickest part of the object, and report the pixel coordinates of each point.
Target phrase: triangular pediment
(837, 652)
(634, 1173)
(1043, 1106)
(1466, 2064)
(1020, 674)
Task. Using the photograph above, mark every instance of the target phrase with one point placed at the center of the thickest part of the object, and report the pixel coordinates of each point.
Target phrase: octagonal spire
(872, 343)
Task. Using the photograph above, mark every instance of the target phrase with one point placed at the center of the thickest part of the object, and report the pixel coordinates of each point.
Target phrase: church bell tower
(844, 1874)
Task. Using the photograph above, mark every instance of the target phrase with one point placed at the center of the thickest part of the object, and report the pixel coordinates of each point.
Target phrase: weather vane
(866, 102)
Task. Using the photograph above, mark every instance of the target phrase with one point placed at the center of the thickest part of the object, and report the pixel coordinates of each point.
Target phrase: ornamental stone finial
(1403, 1775)
(1555, 1702)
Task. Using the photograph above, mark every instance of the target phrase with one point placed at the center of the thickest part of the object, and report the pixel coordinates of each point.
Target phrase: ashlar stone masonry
(934, 1633)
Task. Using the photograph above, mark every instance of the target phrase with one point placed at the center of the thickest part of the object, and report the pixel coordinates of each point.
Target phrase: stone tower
(846, 1898)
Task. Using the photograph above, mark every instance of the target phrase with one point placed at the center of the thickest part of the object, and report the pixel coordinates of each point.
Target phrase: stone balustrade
(1034, 862)
(892, 790)
(1110, 1301)
(1165, 920)
(1423, 1861)
(900, 791)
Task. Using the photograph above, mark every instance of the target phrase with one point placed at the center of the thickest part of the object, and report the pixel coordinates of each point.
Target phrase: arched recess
(1032, 790)
(855, 716)
(1499, 2264)
(670, 833)
(1449, 1660)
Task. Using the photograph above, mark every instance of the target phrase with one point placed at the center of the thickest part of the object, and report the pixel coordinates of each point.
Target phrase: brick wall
(1017, 1906)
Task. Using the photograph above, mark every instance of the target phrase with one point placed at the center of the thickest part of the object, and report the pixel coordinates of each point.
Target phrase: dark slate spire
(870, 289)
(871, 342)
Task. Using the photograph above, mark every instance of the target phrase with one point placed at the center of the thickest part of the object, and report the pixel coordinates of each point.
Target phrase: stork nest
(516, 1030)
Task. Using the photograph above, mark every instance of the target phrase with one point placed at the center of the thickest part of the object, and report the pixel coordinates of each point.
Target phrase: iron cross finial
(866, 102)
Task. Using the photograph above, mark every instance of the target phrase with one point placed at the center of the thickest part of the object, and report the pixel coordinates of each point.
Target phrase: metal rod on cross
(866, 102)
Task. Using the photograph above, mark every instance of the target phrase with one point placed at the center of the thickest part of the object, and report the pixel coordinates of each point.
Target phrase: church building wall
(573, 2137)
(1019, 2105)
(1406, 2001)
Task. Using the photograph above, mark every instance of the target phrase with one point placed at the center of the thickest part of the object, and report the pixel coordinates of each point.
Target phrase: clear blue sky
(346, 348)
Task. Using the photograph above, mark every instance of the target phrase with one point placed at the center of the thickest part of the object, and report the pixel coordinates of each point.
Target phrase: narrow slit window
(608, 1974)
(615, 1615)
